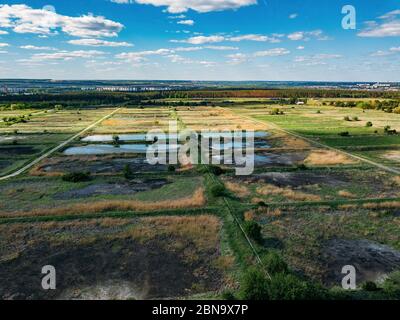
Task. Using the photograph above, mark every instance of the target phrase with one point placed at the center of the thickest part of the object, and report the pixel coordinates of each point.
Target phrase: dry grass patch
(392, 155)
(346, 194)
(239, 190)
(271, 190)
(327, 157)
(203, 230)
(382, 205)
(196, 200)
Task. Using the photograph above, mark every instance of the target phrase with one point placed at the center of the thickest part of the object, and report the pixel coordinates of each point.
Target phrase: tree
(116, 139)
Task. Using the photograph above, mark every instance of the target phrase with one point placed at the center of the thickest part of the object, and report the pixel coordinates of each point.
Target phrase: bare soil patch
(372, 260)
(111, 258)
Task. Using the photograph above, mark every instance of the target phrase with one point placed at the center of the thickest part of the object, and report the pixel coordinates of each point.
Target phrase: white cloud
(187, 49)
(201, 40)
(140, 56)
(65, 55)
(221, 48)
(24, 19)
(381, 53)
(272, 52)
(307, 35)
(31, 47)
(218, 38)
(3, 32)
(2, 45)
(317, 59)
(99, 43)
(237, 58)
(255, 37)
(388, 26)
(296, 36)
(179, 6)
(186, 22)
(300, 48)
(293, 16)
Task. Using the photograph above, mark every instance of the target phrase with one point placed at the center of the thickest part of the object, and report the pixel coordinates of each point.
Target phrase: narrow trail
(312, 141)
(58, 147)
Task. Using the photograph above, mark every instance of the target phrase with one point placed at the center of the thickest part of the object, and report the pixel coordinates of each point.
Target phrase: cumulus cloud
(254, 37)
(221, 48)
(293, 16)
(387, 26)
(272, 52)
(317, 59)
(65, 55)
(99, 43)
(24, 19)
(31, 47)
(307, 35)
(218, 38)
(186, 22)
(3, 32)
(201, 40)
(3, 45)
(179, 6)
(237, 58)
(382, 53)
(140, 56)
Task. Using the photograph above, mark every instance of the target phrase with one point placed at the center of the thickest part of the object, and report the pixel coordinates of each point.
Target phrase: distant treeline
(296, 93)
(386, 105)
(98, 99)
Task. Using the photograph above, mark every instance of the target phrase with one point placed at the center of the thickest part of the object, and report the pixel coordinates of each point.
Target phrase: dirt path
(312, 141)
(58, 147)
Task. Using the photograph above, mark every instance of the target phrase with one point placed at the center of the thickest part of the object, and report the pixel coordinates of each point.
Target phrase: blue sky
(200, 40)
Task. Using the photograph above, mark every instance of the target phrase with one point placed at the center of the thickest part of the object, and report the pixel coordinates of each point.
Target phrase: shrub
(344, 134)
(369, 286)
(115, 139)
(368, 124)
(275, 263)
(276, 111)
(289, 287)
(391, 286)
(355, 119)
(254, 285)
(253, 230)
(346, 118)
(76, 177)
(218, 190)
(127, 171)
(216, 170)
(228, 295)
(301, 167)
(171, 168)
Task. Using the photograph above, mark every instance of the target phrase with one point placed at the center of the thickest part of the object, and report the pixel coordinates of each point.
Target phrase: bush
(346, 118)
(289, 287)
(368, 124)
(369, 286)
(171, 168)
(127, 171)
(254, 285)
(355, 119)
(344, 134)
(391, 286)
(228, 295)
(216, 170)
(76, 177)
(275, 263)
(218, 190)
(253, 230)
